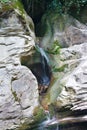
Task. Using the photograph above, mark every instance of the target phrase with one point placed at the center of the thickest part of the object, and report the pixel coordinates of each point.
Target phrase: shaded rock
(39, 64)
(18, 86)
(82, 15)
(35, 9)
(62, 28)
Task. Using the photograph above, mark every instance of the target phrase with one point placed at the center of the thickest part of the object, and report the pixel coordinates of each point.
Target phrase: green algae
(38, 114)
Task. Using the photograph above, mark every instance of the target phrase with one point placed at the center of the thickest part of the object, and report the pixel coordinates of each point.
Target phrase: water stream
(51, 122)
(44, 125)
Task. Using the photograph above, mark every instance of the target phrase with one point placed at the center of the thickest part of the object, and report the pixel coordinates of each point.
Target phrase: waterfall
(45, 124)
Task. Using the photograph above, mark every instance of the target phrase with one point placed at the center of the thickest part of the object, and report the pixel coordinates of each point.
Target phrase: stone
(68, 90)
(74, 81)
(18, 86)
(64, 29)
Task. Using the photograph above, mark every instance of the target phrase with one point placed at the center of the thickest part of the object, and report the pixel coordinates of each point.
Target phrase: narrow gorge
(43, 66)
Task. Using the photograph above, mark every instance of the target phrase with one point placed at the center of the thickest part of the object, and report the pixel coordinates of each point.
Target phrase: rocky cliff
(69, 88)
(18, 86)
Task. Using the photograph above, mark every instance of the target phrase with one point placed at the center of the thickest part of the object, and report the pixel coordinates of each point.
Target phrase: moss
(38, 114)
(4, 7)
(17, 5)
(37, 117)
(24, 126)
(60, 69)
(19, 8)
(15, 95)
(55, 49)
(12, 5)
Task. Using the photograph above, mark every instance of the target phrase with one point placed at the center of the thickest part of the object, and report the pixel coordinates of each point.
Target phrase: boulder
(74, 81)
(64, 29)
(18, 86)
(68, 89)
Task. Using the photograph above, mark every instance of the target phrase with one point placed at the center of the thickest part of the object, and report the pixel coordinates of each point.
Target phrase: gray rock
(18, 86)
(74, 81)
(64, 29)
(69, 89)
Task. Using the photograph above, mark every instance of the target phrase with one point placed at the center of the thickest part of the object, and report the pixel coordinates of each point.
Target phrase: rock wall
(74, 80)
(69, 86)
(62, 28)
(18, 86)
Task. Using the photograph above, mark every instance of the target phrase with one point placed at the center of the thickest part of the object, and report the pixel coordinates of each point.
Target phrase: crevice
(38, 64)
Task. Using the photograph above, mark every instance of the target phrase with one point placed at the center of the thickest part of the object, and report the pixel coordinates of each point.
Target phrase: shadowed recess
(38, 63)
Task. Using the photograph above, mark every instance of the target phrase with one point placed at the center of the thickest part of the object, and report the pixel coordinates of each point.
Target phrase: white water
(45, 124)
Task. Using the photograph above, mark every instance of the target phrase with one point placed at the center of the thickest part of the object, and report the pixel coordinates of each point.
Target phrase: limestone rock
(18, 86)
(74, 81)
(70, 85)
(62, 28)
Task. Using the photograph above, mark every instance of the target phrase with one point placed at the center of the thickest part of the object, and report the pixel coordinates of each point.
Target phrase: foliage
(55, 49)
(38, 114)
(64, 6)
(6, 1)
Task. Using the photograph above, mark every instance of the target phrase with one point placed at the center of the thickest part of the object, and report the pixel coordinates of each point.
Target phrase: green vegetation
(65, 6)
(15, 96)
(39, 114)
(55, 49)
(6, 1)
(62, 6)
(60, 69)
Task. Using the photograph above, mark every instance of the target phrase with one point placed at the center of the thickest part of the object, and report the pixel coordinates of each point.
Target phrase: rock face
(18, 86)
(69, 90)
(74, 81)
(62, 28)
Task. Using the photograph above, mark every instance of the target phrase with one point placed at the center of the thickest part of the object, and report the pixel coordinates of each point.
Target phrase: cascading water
(45, 124)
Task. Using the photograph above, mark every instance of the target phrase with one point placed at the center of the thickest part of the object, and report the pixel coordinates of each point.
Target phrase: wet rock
(18, 86)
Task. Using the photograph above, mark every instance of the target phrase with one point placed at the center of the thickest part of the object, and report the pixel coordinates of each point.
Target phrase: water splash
(45, 124)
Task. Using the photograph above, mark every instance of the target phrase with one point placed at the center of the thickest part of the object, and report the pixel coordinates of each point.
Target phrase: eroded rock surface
(18, 86)
(62, 28)
(75, 80)
(69, 88)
